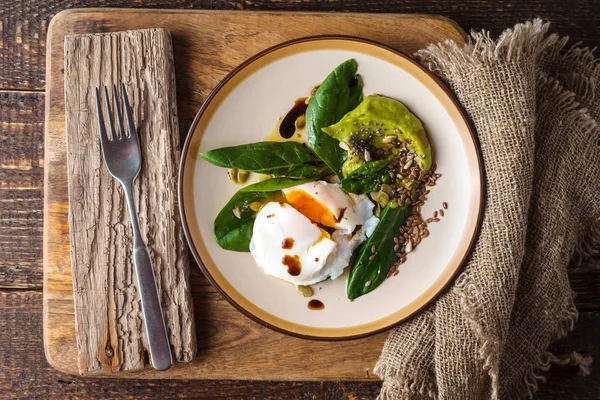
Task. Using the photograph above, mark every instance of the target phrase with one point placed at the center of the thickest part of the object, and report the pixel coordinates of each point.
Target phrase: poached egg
(288, 243)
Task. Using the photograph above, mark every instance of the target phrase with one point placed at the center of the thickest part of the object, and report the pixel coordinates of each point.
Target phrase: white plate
(244, 108)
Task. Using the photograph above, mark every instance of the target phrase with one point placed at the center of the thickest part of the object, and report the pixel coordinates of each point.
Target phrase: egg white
(275, 223)
(320, 257)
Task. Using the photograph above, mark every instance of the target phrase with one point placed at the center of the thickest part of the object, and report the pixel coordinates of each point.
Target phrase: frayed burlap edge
(404, 381)
(587, 245)
(525, 40)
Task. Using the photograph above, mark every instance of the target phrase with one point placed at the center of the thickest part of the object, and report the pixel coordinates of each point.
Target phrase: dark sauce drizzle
(316, 305)
(287, 243)
(294, 267)
(288, 125)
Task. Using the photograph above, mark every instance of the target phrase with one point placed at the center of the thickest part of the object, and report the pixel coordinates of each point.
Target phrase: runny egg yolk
(311, 208)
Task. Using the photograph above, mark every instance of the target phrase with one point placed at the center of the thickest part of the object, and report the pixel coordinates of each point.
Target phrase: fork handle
(156, 330)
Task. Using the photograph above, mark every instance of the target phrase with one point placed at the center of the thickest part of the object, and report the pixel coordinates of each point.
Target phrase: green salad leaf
(368, 177)
(234, 223)
(275, 158)
(339, 93)
(367, 273)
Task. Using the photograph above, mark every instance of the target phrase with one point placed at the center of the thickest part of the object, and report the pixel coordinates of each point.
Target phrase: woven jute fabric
(534, 104)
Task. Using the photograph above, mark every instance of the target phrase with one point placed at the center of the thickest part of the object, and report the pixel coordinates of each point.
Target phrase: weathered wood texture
(108, 317)
(21, 188)
(24, 372)
(207, 45)
(24, 22)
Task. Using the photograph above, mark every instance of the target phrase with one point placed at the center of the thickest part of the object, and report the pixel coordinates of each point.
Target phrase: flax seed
(396, 247)
(435, 214)
(398, 255)
(436, 220)
(441, 212)
(395, 273)
(445, 205)
(429, 220)
(373, 248)
(368, 283)
(372, 257)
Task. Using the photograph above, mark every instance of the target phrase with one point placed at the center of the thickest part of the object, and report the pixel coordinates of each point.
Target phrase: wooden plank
(109, 322)
(25, 22)
(203, 57)
(21, 189)
(25, 372)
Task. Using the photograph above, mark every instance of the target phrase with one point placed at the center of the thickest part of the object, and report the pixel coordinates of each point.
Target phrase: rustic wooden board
(26, 375)
(108, 310)
(206, 46)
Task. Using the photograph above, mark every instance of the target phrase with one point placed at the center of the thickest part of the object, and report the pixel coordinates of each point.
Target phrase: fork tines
(122, 133)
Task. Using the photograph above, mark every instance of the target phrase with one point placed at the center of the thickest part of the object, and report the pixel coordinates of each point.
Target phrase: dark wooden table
(24, 372)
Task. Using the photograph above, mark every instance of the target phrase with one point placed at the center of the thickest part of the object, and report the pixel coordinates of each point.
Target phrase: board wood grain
(25, 373)
(25, 22)
(109, 321)
(207, 45)
(21, 189)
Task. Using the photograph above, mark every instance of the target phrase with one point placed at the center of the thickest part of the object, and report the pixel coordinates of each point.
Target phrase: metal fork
(123, 159)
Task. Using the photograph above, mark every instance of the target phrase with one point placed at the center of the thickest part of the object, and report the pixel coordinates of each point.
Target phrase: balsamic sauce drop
(316, 305)
(293, 264)
(288, 125)
(287, 243)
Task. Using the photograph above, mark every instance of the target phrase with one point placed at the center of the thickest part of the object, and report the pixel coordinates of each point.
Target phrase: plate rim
(438, 292)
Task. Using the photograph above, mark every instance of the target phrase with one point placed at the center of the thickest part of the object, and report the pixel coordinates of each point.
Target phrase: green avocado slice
(376, 118)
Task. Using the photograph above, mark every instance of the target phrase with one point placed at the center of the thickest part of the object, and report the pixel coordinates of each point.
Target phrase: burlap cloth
(535, 105)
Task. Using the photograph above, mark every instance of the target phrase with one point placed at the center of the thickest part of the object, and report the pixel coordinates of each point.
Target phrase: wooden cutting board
(207, 45)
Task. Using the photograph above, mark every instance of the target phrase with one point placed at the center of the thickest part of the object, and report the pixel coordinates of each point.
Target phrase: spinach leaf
(234, 223)
(275, 158)
(364, 269)
(339, 93)
(367, 178)
(308, 170)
